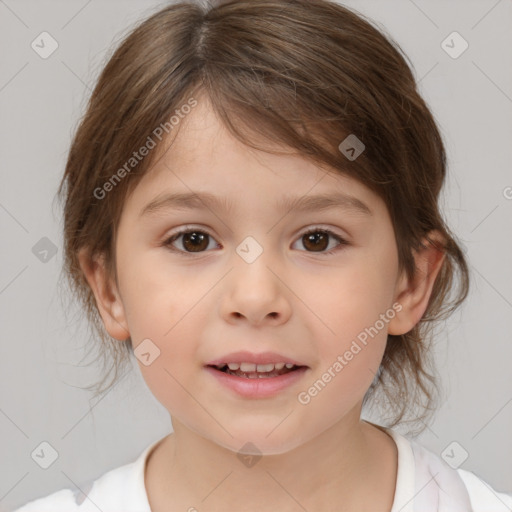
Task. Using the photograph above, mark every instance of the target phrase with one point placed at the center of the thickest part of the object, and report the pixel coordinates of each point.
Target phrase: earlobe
(106, 294)
(414, 294)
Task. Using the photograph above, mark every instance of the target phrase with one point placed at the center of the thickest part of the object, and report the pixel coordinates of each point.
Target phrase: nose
(257, 293)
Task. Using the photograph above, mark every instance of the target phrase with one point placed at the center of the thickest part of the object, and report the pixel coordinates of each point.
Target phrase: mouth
(252, 371)
(257, 381)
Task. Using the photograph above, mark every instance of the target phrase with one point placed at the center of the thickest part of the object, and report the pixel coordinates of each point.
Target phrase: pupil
(316, 238)
(195, 239)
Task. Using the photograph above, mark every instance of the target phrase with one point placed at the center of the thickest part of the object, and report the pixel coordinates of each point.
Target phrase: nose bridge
(255, 290)
(250, 249)
(252, 263)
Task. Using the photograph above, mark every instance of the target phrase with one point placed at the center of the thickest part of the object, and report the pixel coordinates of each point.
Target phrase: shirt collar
(420, 480)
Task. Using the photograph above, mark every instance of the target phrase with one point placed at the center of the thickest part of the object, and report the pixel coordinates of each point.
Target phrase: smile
(256, 371)
(256, 384)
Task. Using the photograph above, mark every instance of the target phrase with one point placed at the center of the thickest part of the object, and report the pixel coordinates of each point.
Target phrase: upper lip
(256, 358)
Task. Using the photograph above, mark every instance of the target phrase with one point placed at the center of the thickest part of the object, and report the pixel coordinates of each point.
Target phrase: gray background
(41, 101)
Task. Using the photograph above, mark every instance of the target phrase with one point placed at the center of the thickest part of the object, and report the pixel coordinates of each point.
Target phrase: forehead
(202, 156)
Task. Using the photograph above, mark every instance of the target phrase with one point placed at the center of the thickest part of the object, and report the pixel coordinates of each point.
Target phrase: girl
(251, 210)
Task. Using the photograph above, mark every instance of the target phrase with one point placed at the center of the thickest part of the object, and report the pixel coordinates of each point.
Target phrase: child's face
(292, 299)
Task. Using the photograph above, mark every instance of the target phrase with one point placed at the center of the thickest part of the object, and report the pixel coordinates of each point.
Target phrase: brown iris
(318, 239)
(195, 241)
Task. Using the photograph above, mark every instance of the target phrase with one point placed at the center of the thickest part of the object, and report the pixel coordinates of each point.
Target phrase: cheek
(161, 305)
(172, 329)
(156, 293)
(352, 308)
(352, 297)
(350, 350)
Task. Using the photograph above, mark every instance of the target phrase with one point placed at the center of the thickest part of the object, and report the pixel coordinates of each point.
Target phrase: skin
(198, 306)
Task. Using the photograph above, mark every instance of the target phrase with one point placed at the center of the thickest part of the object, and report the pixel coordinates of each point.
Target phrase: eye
(196, 240)
(317, 239)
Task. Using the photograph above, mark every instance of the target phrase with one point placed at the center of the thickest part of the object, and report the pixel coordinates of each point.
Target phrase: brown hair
(298, 72)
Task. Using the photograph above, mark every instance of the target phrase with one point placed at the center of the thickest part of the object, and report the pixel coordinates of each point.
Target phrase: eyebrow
(207, 201)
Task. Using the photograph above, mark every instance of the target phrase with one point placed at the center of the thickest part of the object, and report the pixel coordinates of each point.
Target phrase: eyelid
(301, 232)
(313, 228)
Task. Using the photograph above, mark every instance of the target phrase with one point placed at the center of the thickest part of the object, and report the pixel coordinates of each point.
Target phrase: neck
(333, 471)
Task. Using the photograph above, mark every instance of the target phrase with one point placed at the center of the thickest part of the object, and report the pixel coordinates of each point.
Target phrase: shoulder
(457, 485)
(60, 501)
(121, 488)
(89, 497)
(426, 482)
(483, 496)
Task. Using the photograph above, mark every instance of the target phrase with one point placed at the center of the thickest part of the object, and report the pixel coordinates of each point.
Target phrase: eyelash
(168, 242)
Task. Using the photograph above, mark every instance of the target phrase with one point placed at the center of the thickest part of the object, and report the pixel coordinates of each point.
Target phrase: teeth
(252, 367)
(265, 367)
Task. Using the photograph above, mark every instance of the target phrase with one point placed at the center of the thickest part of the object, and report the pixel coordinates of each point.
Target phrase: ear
(414, 294)
(106, 294)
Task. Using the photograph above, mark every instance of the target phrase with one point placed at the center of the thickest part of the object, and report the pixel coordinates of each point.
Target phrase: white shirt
(425, 483)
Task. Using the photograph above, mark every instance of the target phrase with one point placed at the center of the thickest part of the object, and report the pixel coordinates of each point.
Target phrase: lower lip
(260, 387)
